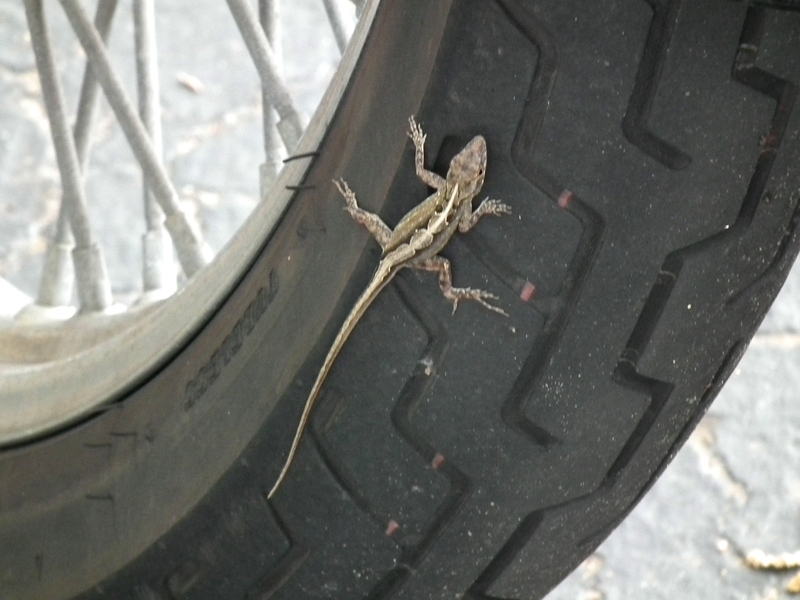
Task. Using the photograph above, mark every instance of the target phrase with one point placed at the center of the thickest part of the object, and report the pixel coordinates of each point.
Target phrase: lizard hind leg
(373, 223)
(429, 178)
(441, 265)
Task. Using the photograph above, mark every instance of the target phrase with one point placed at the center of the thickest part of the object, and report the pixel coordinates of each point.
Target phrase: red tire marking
(437, 461)
(392, 527)
(528, 291)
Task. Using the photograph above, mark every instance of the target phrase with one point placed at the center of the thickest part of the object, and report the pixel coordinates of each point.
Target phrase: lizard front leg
(428, 177)
(441, 265)
(379, 230)
(487, 207)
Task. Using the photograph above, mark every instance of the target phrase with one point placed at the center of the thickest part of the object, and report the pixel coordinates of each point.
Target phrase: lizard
(414, 243)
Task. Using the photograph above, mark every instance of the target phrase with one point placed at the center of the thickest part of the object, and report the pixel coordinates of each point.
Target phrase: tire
(649, 151)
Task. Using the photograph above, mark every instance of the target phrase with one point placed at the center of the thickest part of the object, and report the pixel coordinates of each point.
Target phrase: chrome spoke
(158, 267)
(56, 283)
(291, 122)
(192, 253)
(90, 89)
(269, 16)
(73, 259)
(58, 276)
(342, 24)
(359, 4)
(94, 289)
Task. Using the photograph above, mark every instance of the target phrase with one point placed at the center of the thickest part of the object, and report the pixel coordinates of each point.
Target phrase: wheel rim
(56, 371)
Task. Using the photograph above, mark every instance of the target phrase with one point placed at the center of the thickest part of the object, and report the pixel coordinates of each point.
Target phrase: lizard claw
(342, 186)
(480, 296)
(415, 132)
(348, 194)
(494, 207)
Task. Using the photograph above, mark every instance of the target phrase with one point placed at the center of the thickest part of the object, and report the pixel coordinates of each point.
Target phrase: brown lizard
(415, 242)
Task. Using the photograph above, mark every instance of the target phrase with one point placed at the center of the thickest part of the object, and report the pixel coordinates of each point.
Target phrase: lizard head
(468, 167)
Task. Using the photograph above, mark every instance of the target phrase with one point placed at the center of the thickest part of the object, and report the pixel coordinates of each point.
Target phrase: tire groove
(625, 372)
(784, 93)
(783, 259)
(532, 521)
(635, 122)
(724, 370)
(787, 5)
(333, 404)
(408, 400)
(557, 310)
(535, 365)
(402, 414)
(289, 564)
(503, 559)
(580, 266)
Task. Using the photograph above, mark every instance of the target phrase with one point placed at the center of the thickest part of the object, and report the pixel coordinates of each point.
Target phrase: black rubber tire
(651, 154)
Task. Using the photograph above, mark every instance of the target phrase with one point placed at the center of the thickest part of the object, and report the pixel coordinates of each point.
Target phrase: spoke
(359, 4)
(193, 255)
(341, 23)
(94, 290)
(269, 15)
(73, 259)
(90, 90)
(148, 93)
(158, 273)
(291, 123)
(58, 276)
(55, 287)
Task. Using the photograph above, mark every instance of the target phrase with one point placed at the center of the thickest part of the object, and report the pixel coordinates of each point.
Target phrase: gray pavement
(734, 487)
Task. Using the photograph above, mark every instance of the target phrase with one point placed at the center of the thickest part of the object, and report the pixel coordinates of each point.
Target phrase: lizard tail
(382, 277)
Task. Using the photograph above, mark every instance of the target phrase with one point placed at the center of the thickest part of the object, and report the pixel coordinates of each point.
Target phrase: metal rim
(116, 352)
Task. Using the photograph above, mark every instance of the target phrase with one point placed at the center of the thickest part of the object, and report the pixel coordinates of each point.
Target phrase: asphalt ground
(733, 488)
